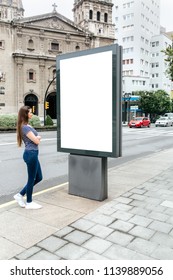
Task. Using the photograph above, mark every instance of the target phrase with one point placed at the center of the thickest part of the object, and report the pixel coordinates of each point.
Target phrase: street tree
(169, 59)
(154, 103)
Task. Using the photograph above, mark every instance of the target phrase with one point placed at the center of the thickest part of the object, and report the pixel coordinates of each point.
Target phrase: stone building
(29, 46)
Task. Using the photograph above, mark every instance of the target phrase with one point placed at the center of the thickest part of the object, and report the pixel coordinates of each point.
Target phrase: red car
(139, 122)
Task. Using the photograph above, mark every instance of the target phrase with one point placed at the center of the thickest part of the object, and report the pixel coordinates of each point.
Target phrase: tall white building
(159, 79)
(137, 24)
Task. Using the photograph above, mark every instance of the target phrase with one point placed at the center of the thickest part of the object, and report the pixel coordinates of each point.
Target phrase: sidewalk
(135, 222)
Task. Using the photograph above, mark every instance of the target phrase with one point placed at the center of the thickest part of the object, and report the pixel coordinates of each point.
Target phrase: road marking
(36, 194)
(15, 143)
(5, 144)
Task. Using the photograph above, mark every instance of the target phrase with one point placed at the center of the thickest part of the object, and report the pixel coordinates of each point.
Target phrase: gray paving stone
(167, 203)
(100, 231)
(71, 252)
(138, 203)
(138, 197)
(83, 224)
(97, 245)
(142, 246)
(158, 216)
(123, 200)
(165, 191)
(152, 193)
(122, 215)
(28, 253)
(153, 201)
(163, 253)
(77, 237)
(170, 221)
(138, 191)
(142, 232)
(139, 211)
(51, 243)
(123, 207)
(120, 238)
(121, 226)
(93, 256)
(100, 219)
(127, 194)
(162, 239)
(117, 252)
(44, 255)
(155, 208)
(140, 220)
(64, 231)
(169, 212)
(107, 209)
(160, 226)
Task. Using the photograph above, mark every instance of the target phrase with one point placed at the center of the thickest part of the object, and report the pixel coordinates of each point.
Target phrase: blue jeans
(34, 172)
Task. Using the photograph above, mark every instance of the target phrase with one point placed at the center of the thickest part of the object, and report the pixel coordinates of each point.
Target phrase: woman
(31, 139)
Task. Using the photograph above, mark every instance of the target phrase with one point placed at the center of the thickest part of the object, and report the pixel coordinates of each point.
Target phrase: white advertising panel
(86, 102)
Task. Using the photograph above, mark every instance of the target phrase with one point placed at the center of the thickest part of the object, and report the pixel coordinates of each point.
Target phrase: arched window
(90, 14)
(98, 16)
(30, 45)
(105, 17)
(31, 100)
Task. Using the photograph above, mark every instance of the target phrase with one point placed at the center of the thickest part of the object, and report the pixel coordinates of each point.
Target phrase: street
(137, 143)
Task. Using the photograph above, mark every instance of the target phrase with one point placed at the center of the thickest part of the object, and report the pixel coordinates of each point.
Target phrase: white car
(163, 121)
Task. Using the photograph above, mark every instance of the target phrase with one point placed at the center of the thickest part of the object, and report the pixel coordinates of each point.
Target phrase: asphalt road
(136, 143)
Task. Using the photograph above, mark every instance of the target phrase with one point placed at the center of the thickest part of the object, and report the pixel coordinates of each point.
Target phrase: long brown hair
(22, 119)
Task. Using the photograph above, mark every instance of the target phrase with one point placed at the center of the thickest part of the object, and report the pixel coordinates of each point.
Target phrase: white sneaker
(19, 198)
(33, 205)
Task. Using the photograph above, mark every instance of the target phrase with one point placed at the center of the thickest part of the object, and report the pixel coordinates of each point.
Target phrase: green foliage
(154, 102)
(8, 120)
(48, 120)
(169, 59)
(35, 121)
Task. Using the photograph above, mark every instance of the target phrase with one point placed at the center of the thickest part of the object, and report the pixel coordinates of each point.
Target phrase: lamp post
(45, 96)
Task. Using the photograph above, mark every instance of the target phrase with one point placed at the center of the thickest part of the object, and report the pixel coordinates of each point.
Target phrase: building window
(90, 14)
(30, 45)
(2, 44)
(54, 46)
(98, 16)
(31, 76)
(105, 17)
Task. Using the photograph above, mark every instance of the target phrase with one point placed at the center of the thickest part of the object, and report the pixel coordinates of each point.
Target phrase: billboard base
(88, 177)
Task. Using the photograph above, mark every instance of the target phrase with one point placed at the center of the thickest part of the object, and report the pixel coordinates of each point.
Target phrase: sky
(64, 7)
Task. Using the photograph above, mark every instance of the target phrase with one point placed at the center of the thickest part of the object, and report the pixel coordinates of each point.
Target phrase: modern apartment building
(137, 29)
(159, 79)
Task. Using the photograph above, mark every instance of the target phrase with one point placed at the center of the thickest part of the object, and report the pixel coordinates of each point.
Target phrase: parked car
(169, 115)
(139, 122)
(164, 121)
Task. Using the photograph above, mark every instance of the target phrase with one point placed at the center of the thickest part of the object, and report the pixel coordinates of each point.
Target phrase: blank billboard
(86, 93)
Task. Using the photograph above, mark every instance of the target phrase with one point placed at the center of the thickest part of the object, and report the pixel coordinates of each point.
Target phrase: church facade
(29, 47)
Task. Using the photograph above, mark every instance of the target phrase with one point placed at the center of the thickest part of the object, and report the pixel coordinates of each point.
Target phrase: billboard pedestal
(88, 177)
